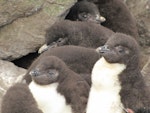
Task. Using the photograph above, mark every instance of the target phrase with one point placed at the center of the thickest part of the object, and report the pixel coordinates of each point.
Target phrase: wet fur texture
(18, 99)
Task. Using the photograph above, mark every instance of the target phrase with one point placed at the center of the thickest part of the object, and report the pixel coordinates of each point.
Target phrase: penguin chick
(56, 88)
(79, 59)
(117, 82)
(75, 33)
(85, 11)
(18, 99)
(118, 16)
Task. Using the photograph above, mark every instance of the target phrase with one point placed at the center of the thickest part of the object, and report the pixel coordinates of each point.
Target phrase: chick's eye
(120, 49)
(51, 72)
(85, 16)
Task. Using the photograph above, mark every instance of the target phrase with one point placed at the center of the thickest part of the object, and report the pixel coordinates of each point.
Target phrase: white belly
(48, 99)
(104, 94)
(104, 102)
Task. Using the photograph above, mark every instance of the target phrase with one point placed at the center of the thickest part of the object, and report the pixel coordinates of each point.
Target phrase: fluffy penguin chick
(85, 11)
(104, 94)
(18, 99)
(76, 58)
(116, 79)
(118, 16)
(56, 88)
(78, 33)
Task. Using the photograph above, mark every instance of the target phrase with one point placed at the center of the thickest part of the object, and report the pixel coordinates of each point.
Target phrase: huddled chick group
(88, 64)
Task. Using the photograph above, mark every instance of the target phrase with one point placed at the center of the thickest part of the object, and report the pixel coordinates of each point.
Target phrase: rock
(11, 10)
(141, 10)
(25, 23)
(146, 72)
(9, 74)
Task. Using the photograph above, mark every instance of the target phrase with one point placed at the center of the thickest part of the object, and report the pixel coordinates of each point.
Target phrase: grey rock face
(23, 24)
(146, 72)
(9, 74)
(11, 10)
(141, 10)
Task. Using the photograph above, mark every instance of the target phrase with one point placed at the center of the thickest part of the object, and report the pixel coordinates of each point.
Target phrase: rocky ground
(22, 29)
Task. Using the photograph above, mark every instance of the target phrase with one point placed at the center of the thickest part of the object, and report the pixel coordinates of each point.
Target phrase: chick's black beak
(103, 49)
(34, 73)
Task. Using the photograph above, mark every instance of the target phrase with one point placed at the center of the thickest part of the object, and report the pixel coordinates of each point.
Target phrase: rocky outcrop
(12, 10)
(9, 74)
(23, 24)
(141, 11)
